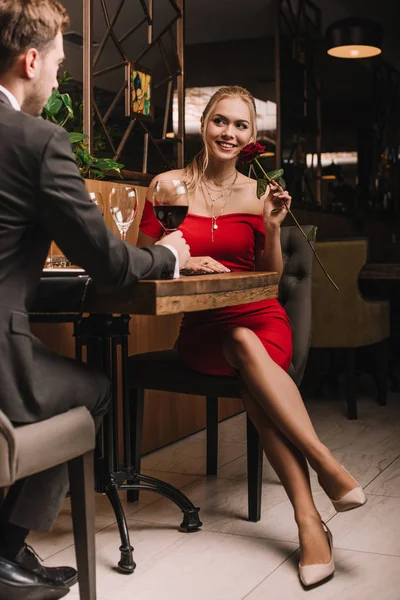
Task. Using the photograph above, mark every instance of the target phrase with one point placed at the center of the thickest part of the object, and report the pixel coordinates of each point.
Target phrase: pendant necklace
(219, 183)
(228, 192)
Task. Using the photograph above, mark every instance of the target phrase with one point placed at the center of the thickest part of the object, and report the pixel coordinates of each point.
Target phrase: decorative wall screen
(141, 60)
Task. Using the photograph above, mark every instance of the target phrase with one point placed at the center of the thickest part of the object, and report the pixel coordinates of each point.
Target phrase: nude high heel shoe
(353, 499)
(311, 575)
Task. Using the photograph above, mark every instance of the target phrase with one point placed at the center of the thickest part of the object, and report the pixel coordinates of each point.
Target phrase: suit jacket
(43, 198)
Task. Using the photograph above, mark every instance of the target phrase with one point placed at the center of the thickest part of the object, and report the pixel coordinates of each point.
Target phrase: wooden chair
(346, 321)
(162, 370)
(30, 449)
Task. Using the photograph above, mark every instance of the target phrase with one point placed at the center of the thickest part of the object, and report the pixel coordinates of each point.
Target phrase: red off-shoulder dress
(238, 237)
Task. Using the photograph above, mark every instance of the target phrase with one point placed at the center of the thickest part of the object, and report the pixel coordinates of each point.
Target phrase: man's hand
(177, 241)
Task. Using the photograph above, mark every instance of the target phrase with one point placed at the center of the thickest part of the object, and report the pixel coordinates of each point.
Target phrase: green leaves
(54, 104)
(281, 182)
(261, 187)
(59, 110)
(312, 235)
(76, 138)
(263, 183)
(275, 175)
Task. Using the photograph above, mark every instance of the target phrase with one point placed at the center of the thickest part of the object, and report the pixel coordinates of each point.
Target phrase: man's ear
(31, 61)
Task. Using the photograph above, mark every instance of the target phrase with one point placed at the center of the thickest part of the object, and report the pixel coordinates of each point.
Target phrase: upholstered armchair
(30, 449)
(344, 320)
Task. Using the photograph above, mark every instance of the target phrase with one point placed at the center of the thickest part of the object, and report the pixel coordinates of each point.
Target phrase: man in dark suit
(43, 198)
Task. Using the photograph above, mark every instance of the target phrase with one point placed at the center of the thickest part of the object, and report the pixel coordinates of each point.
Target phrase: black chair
(162, 370)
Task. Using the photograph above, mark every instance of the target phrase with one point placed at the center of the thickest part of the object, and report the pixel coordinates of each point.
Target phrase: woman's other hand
(205, 263)
(276, 205)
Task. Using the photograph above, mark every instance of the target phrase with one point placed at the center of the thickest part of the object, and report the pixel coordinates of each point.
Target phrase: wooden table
(105, 329)
(381, 272)
(382, 280)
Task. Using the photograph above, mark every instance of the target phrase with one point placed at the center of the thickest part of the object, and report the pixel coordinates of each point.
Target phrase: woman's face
(229, 129)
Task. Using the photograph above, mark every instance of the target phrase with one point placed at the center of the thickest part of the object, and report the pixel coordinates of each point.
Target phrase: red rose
(250, 152)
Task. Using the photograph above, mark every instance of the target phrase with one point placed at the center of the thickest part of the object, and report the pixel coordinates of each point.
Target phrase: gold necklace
(214, 225)
(219, 183)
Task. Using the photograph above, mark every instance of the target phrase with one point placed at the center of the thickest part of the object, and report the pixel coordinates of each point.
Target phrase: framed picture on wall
(138, 97)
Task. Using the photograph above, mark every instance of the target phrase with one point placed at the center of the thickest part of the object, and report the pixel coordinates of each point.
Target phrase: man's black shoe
(17, 583)
(27, 559)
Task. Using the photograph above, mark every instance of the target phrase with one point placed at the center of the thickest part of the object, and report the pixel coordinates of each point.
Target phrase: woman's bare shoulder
(247, 187)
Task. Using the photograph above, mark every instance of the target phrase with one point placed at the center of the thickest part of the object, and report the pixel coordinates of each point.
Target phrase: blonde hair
(28, 24)
(194, 171)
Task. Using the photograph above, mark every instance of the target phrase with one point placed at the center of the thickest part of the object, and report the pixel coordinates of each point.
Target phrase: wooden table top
(187, 294)
(380, 271)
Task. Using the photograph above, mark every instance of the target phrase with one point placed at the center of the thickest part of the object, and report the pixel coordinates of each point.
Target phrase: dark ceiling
(231, 41)
(220, 20)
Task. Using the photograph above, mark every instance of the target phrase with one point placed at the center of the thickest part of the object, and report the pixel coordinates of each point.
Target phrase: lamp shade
(330, 172)
(354, 38)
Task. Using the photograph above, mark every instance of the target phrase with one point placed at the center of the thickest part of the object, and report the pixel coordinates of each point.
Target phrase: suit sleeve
(76, 225)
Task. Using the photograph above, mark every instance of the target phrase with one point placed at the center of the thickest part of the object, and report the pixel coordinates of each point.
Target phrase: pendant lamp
(354, 38)
(330, 172)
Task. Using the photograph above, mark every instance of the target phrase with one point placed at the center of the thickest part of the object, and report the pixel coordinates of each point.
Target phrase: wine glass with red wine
(170, 203)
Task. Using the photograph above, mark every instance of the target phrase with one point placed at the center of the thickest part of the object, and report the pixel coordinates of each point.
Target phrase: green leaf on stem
(262, 185)
(312, 235)
(54, 104)
(76, 137)
(66, 99)
(98, 173)
(108, 163)
(275, 174)
(281, 182)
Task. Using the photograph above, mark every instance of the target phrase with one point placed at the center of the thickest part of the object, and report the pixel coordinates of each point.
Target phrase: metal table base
(102, 336)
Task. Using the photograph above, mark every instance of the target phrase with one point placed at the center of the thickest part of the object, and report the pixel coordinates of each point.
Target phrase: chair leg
(351, 391)
(81, 478)
(212, 435)
(137, 407)
(254, 472)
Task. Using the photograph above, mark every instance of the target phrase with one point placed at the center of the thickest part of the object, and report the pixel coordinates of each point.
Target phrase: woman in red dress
(229, 228)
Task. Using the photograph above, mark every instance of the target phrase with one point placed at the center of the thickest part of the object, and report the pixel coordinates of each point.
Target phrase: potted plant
(59, 110)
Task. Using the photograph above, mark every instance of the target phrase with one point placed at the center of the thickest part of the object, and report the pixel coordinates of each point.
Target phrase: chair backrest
(35, 447)
(343, 260)
(344, 318)
(295, 294)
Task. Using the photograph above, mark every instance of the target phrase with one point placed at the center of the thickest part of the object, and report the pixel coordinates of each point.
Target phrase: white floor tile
(205, 565)
(224, 507)
(188, 456)
(231, 430)
(232, 559)
(358, 576)
(388, 482)
(374, 527)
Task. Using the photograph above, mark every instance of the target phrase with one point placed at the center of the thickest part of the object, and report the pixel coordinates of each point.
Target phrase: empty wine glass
(123, 204)
(97, 198)
(170, 203)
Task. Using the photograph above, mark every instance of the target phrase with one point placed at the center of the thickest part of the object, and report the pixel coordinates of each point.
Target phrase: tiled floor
(232, 559)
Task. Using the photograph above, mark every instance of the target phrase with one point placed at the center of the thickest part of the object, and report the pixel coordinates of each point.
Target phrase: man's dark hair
(28, 24)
